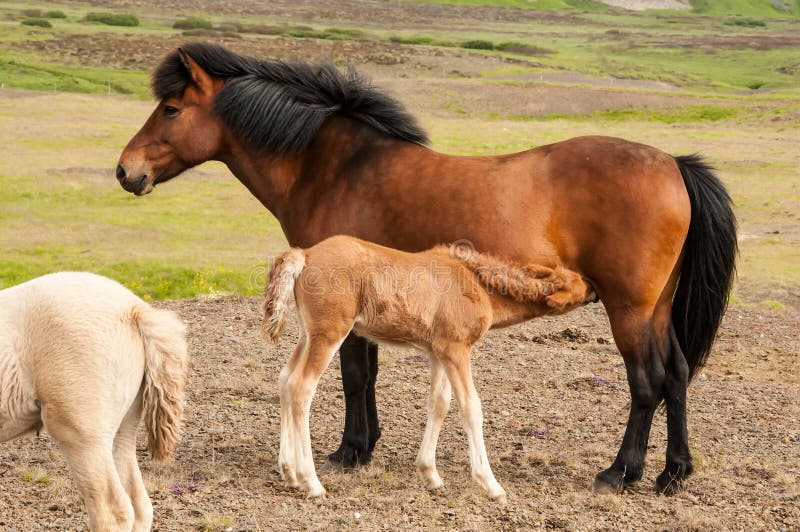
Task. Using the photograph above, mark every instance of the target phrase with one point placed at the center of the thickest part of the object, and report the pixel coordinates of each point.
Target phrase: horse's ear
(200, 77)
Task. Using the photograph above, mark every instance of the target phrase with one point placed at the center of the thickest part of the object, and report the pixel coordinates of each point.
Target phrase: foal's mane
(529, 283)
(279, 105)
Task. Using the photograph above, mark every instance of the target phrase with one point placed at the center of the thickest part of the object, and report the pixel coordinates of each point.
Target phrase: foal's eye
(170, 111)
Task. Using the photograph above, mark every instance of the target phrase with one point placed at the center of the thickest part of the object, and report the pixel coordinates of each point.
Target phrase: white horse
(83, 357)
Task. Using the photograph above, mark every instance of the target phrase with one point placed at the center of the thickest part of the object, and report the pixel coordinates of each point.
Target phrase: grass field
(203, 233)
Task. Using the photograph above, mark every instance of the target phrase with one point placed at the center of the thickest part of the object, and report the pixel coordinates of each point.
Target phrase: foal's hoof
(500, 497)
(430, 477)
(316, 493)
(289, 476)
(433, 482)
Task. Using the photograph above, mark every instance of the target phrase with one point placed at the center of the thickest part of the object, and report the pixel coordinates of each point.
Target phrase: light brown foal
(441, 301)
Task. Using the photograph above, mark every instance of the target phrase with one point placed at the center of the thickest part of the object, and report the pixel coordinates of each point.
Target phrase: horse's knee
(298, 391)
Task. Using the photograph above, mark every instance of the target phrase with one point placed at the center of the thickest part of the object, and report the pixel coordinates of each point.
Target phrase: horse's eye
(170, 111)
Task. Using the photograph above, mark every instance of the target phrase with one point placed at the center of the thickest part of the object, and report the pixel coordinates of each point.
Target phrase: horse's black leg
(372, 407)
(643, 363)
(354, 448)
(679, 459)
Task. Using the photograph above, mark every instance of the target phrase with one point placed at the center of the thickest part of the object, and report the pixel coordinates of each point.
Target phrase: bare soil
(555, 401)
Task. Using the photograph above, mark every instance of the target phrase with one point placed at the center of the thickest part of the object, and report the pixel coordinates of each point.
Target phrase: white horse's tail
(165, 371)
(280, 285)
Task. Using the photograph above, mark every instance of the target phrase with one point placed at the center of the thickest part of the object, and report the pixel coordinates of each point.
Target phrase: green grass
(762, 8)
(684, 115)
(583, 5)
(36, 476)
(774, 305)
(203, 233)
(19, 71)
(753, 8)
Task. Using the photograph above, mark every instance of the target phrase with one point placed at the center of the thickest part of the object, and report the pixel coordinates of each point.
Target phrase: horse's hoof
(433, 482)
(669, 483)
(608, 481)
(430, 476)
(349, 457)
(288, 475)
(316, 493)
(500, 497)
(671, 480)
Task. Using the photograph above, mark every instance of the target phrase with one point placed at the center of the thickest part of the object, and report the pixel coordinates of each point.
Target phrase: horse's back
(76, 339)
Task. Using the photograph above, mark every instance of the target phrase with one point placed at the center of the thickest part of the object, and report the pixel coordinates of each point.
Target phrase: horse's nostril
(120, 172)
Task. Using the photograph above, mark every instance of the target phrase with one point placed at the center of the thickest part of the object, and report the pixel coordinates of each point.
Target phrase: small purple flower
(541, 434)
(184, 486)
(601, 380)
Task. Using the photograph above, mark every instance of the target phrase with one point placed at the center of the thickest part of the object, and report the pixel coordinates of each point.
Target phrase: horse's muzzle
(137, 186)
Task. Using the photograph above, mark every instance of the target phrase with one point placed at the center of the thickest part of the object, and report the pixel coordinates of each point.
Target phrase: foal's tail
(709, 262)
(165, 370)
(280, 285)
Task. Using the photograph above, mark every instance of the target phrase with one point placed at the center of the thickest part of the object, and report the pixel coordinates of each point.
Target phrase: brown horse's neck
(277, 181)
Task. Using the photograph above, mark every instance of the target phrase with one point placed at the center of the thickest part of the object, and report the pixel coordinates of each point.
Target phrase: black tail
(709, 262)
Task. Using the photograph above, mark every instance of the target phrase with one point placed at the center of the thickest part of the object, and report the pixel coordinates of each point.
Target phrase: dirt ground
(555, 401)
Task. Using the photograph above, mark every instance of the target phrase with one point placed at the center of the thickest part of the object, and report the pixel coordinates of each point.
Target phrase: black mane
(280, 106)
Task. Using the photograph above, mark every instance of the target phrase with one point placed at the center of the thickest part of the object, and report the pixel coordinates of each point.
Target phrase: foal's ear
(200, 77)
(559, 300)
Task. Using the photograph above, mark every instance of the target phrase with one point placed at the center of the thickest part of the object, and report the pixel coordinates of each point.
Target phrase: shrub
(55, 14)
(233, 27)
(192, 23)
(427, 41)
(203, 32)
(747, 22)
(411, 40)
(478, 45)
(112, 19)
(345, 33)
(265, 30)
(40, 22)
(523, 49)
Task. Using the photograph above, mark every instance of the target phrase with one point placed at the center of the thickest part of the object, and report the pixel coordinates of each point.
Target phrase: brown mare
(328, 154)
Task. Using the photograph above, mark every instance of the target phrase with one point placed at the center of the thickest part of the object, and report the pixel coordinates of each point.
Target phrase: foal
(84, 358)
(440, 301)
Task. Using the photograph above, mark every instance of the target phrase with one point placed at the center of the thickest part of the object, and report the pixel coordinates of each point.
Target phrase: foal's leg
(88, 449)
(455, 359)
(355, 362)
(286, 457)
(300, 388)
(438, 405)
(128, 467)
(679, 458)
(643, 351)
